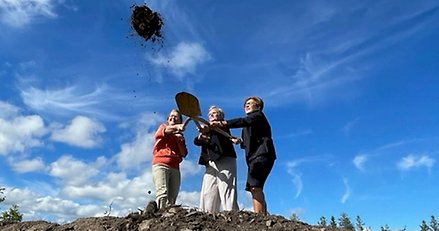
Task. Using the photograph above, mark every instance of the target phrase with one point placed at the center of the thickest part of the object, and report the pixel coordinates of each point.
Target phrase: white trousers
(219, 186)
(167, 184)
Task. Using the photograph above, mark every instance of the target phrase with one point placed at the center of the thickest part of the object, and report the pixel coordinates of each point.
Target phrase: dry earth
(173, 218)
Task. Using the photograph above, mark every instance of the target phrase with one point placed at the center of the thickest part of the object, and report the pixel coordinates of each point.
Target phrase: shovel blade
(188, 104)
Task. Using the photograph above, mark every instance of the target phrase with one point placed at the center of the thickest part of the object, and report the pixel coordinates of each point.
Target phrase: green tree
(345, 222)
(295, 217)
(385, 228)
(424, 226)
(12, 215)
(322, 221)
(332, 223)
(360, 224)
(2, 198)
(433, 224)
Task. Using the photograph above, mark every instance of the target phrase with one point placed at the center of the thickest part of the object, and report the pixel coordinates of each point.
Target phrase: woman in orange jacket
(168, 152)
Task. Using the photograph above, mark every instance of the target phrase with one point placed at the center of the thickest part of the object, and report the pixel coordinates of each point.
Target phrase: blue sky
(350, 91)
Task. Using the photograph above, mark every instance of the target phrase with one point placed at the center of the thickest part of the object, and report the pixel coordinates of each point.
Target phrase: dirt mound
(173, 218)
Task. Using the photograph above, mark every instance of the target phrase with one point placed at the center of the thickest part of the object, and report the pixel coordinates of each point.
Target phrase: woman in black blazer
(259, 148)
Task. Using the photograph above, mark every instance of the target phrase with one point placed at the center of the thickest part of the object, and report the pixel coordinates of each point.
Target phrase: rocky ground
(173, 218)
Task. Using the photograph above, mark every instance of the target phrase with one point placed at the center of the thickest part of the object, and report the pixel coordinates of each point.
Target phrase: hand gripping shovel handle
(189, 106)
(219, 130)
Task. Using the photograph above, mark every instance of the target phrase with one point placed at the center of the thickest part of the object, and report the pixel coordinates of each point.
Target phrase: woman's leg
(259, 204)
(174, 185)
(209, 199)
(160, 175)
(227, 183)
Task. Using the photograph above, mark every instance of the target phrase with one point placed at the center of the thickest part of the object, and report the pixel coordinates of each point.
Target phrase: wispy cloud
(19, 13)
(296, 177)
(349, 125)
(293, 169)
(74, 100)
(182, 59)
(298, 133)
(396, 148)
(297, 181)
(342, 58)
(413, 161)
(359, 161)
(347, 192)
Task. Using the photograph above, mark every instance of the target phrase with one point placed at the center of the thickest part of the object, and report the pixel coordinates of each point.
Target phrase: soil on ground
(175, 218)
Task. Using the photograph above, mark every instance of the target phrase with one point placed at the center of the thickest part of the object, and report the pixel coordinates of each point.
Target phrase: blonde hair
(180, 116)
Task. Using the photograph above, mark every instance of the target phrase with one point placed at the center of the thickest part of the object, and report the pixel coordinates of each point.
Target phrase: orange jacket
(166, 150)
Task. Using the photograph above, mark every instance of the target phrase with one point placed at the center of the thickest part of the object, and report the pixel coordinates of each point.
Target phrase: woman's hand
(236, 140)
(216, 124)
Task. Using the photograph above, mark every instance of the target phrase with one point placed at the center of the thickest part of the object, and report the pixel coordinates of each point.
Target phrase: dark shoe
(150, 208)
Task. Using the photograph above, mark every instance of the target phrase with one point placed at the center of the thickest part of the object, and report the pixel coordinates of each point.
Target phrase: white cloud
(8, 110)
(125, 194)
(412, 161)
(19, 133)
(347, 193)
(183, 59)
(18, 13)
(135, 153)
(81, 132)
(34, 206)
(25, 166)
(189, 168)
(191, 199)
(359, 161)
(75, 172)
(109, 187)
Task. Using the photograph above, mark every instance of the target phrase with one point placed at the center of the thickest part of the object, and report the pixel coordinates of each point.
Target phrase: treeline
(12, 214)
(344, 222)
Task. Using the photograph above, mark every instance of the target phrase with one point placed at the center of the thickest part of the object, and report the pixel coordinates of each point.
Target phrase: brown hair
(258, 100)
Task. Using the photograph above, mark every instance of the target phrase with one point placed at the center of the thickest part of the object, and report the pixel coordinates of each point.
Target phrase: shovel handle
(219, 130)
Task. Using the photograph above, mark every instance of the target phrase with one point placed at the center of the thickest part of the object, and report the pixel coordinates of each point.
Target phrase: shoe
(150, 208)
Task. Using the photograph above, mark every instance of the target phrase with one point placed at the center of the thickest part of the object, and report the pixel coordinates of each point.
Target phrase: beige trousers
(219, 186)
(167, 184)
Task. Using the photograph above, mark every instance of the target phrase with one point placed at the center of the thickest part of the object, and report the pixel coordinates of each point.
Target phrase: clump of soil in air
(147, 23)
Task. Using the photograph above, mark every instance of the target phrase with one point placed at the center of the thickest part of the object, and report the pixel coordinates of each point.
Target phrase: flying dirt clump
(147, 23)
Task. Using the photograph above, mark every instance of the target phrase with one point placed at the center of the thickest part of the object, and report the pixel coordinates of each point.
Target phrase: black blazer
(216, 147)
(256, 135)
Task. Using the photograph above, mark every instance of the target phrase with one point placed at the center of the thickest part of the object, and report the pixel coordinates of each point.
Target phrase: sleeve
(244, 121)
(183, 148)
(160, 133)
(197, 141)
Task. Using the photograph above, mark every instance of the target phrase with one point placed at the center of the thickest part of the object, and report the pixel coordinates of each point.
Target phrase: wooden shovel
(189, 106)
